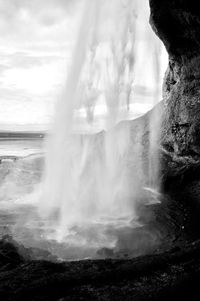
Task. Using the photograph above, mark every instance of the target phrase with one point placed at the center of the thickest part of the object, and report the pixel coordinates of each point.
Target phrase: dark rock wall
(177, 24)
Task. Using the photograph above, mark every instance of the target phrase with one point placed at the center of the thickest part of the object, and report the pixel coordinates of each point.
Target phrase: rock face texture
(177, 24)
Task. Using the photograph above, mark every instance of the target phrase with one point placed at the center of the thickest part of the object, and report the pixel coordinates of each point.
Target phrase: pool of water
(20, 147)
(20, 191)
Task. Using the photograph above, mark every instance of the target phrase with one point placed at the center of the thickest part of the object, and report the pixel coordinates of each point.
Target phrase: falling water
(93, 182)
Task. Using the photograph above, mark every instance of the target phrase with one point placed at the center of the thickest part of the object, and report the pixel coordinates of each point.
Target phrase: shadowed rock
(177, 23)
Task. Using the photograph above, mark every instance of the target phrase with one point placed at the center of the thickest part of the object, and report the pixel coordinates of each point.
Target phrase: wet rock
(16, 253)
(9, 255)
(157, 277)
(177, 23)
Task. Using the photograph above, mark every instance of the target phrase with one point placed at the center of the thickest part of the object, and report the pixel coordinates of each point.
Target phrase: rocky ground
(170, 271)
(174, 273)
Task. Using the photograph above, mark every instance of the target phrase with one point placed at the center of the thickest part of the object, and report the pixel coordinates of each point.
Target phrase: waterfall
(93, 181)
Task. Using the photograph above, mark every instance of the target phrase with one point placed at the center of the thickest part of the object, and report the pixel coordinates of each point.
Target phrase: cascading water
(94, 181)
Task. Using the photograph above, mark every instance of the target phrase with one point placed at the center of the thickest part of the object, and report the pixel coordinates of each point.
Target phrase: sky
(35, 38)
(36, 42)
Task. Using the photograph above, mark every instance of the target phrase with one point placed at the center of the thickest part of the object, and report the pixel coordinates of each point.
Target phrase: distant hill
(21, 135)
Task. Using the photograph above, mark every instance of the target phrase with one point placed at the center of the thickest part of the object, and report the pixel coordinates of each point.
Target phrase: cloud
(35, 43)
(27, 60)
(25, 21)
(45, 11)
(3, 67)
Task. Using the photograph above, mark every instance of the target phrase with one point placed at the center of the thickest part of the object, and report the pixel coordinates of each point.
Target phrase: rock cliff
(177, 24)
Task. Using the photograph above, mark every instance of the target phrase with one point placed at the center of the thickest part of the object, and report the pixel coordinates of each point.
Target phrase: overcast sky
(36, 38)
(35, 42)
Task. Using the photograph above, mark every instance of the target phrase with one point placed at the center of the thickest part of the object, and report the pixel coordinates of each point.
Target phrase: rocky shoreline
(171, 270)
(174, 273)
